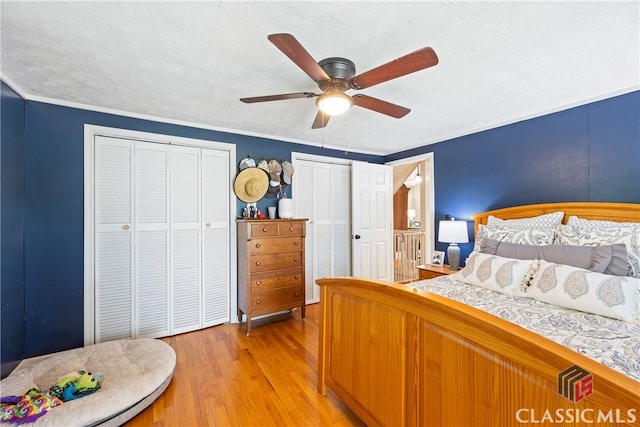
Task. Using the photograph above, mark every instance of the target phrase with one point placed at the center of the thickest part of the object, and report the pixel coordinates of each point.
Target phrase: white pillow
(584, 290)
(505, 275)
(522, 236)
(630, 236)
(550, 220)
(577, 222)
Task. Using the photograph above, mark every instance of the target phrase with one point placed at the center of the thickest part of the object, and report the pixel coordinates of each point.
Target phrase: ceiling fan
(335, 76)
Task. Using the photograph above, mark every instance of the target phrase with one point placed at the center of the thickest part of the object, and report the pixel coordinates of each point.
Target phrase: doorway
(414, 211)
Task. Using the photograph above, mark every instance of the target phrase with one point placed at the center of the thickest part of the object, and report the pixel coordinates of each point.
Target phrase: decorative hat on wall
(247, 163)
(251, 184)
(287, 172)
(275, 170)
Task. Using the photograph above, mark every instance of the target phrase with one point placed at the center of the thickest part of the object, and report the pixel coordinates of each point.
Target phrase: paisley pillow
(584, 290)
(505, 275)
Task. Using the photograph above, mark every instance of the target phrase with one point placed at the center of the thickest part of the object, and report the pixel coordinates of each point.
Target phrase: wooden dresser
(270, 266)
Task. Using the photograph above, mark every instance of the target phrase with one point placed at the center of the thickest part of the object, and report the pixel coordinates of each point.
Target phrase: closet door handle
(125, 227)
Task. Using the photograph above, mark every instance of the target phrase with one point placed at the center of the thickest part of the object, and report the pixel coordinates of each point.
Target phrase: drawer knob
(295, 243)
(258, 301)
(264, 229)
(295, 258)
(297, 294)
(258, 263)
(290, 228)
(257, 245)
(259, 282)
(296, 277)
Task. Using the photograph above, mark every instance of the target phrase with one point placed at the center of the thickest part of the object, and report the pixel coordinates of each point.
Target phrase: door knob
(357, 236)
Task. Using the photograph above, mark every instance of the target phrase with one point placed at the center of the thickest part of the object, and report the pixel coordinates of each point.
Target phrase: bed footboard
(398, 356)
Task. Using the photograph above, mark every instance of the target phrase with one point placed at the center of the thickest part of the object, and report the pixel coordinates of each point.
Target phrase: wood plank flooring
(224, 378)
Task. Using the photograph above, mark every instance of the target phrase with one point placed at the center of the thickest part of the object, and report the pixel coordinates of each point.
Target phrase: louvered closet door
(341, 206)
(151, 297)
(185, 239)
(215, 236)
(325, 200)
(113, 238)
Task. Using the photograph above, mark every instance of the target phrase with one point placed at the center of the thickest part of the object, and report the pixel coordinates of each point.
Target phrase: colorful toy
(35, 403)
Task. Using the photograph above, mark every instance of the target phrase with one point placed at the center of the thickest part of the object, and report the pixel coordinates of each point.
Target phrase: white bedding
(613, 343)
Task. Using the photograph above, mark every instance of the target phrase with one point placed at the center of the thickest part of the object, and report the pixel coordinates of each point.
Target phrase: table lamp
(453, 232)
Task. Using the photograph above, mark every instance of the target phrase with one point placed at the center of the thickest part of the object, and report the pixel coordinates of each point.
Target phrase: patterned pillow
(630, 236)
(578, 289)
(522, 236)
(505, 275)
(550, 220)
(577, 222)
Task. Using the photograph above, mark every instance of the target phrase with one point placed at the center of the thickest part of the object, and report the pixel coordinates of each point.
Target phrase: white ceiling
(190, 62)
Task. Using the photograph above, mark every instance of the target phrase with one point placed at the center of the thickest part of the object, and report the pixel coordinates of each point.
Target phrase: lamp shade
(453, 232)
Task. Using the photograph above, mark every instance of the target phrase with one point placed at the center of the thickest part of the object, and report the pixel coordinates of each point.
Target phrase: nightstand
(432, 271)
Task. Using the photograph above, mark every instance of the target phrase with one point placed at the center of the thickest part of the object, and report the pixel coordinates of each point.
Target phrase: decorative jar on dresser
(270, 266)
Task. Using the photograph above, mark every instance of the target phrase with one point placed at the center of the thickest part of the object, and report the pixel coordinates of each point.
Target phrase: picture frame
(437, 258)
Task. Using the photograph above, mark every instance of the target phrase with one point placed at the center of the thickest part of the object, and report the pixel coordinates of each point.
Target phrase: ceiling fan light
(334, 104)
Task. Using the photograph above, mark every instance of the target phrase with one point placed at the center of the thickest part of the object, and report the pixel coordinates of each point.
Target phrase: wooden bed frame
(404, 357)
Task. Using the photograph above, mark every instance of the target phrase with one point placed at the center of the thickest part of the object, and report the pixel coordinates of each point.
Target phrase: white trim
(148, 117)
(318, 158)
(448, 137)
(90, 132)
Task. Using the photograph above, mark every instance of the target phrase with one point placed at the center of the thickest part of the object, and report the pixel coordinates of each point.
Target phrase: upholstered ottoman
(135, 372)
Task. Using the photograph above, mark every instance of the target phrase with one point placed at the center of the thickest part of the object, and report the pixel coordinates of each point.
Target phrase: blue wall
(587, 153)
(54, 209)
(12, 232)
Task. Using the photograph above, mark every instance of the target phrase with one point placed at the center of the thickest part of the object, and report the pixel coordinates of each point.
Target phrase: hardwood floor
(224, 378)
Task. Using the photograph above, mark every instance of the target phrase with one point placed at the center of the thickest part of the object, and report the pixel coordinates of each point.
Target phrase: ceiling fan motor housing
(338, 68)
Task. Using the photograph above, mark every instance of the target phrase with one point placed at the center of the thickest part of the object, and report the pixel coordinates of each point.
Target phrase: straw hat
(251, 184)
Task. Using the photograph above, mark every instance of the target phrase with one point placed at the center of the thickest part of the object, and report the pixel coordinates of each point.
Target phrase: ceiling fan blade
(415, 61)
(321, 120)
(278, 97)
(380, 106)
(291, 47)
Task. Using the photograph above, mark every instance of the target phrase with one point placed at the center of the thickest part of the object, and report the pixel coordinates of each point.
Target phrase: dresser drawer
(277, 279)
(277, 298)
(264, 229)
(291, 229)
(267, 262)
(279, 244)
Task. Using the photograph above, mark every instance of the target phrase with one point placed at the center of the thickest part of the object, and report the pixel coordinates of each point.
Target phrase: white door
(151, 212)
(324, 200)
(162, 253)
(216, 261)
(372, 221)
(113, 238)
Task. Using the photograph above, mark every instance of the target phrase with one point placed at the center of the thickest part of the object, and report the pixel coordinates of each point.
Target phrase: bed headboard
(622, 212)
